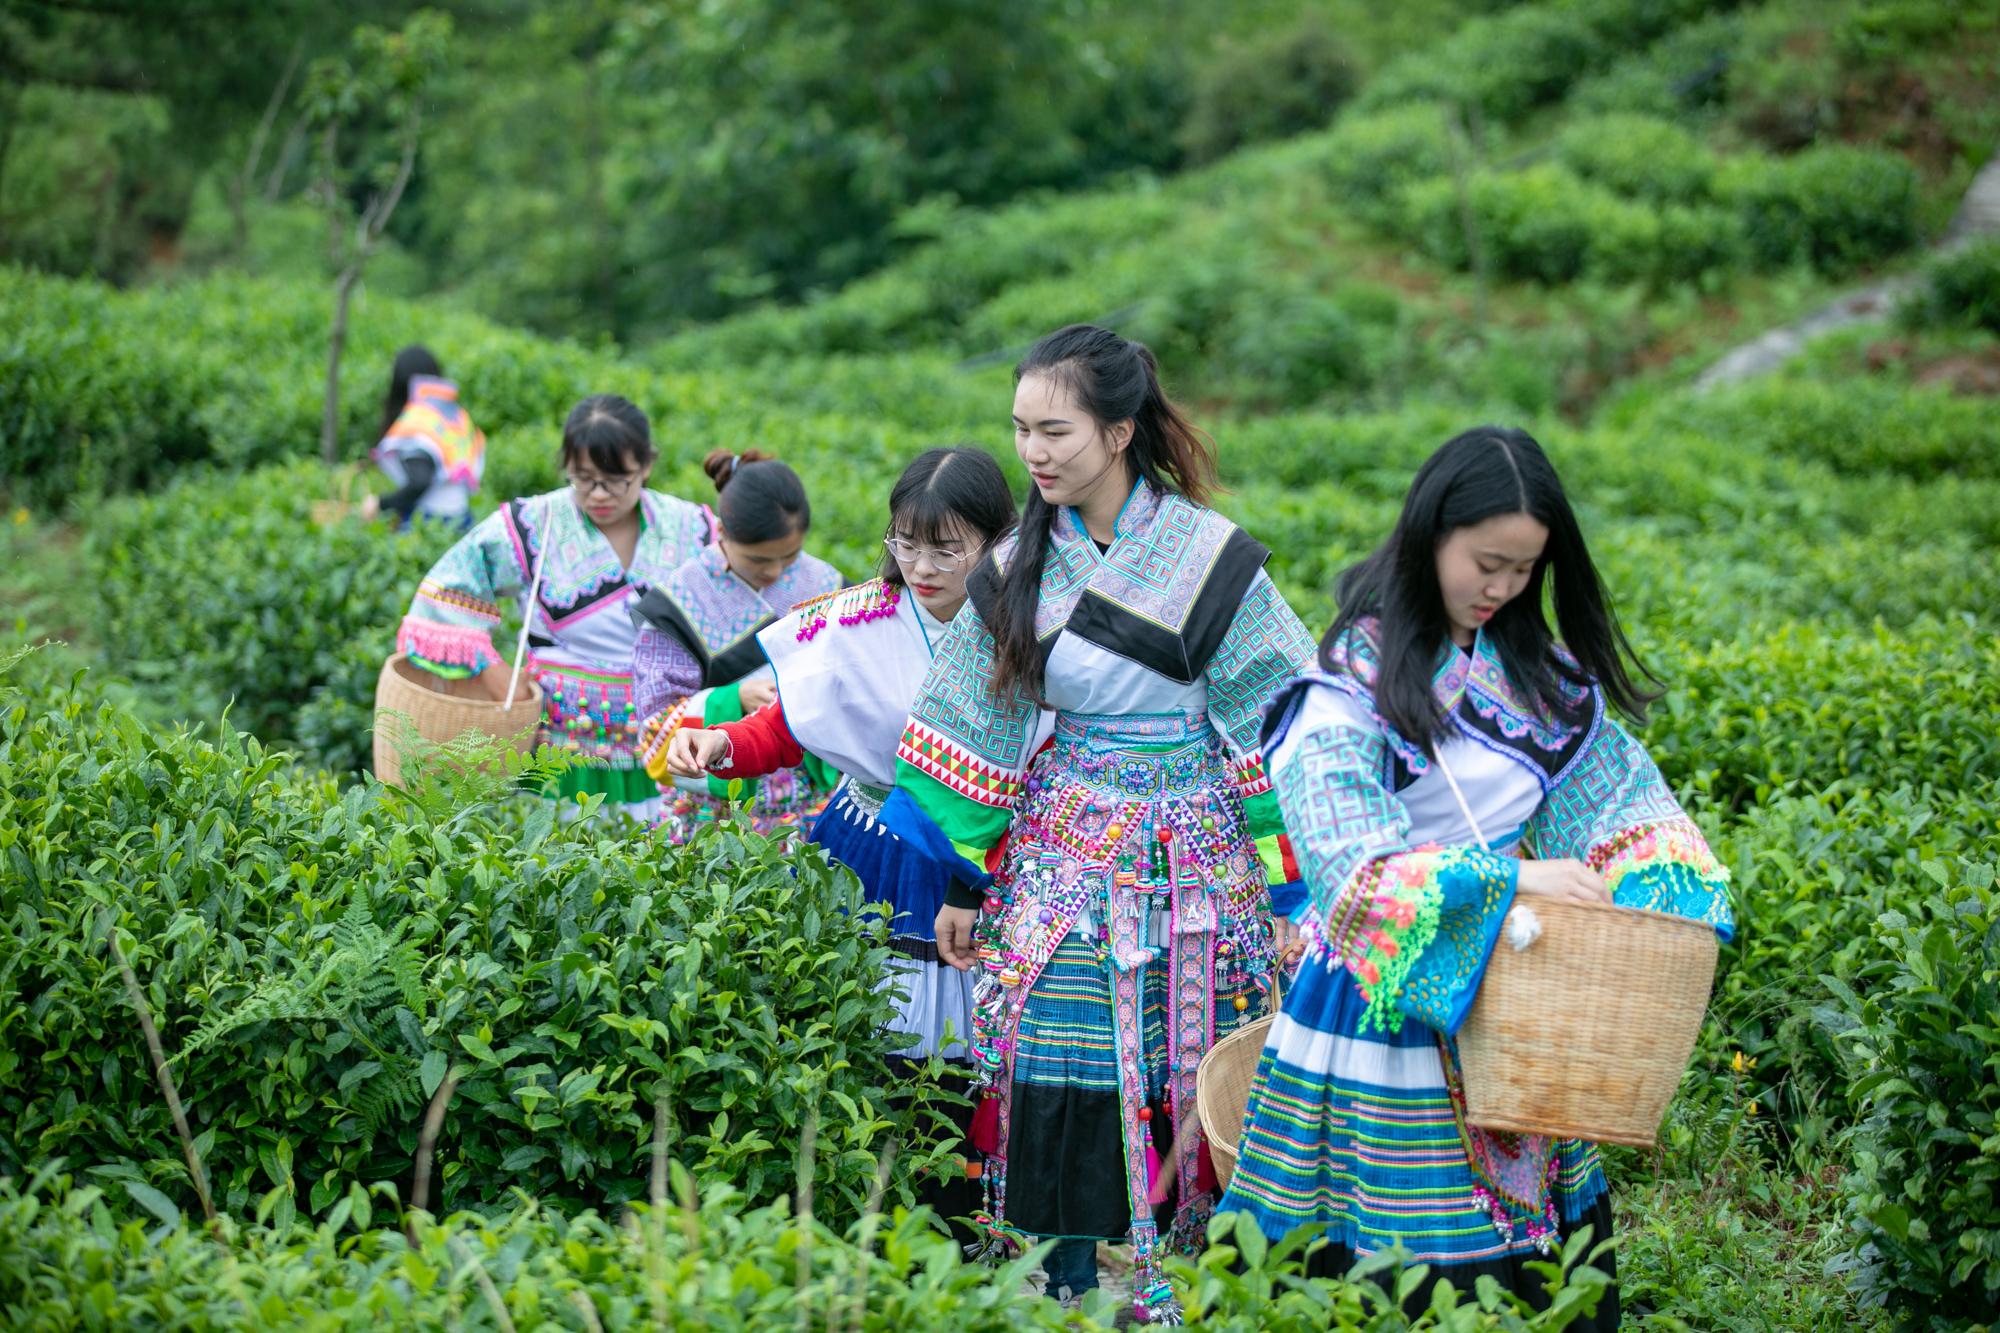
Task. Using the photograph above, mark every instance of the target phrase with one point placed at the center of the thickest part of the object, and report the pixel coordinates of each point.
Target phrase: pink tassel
(1156, 1194)
(985, 1133)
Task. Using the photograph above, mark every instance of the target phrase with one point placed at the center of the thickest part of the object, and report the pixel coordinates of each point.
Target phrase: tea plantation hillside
(649, 1064)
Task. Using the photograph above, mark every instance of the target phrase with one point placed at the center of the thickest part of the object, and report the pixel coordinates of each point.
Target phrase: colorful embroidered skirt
(1362, 1134)
(589, 714)
(1132, 913)
(933, 999)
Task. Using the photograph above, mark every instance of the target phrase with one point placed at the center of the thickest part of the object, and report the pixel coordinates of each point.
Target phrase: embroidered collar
(1474, 689)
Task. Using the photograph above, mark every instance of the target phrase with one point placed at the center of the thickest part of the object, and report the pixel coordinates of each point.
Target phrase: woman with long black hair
(1131, 914)
(1446, 726)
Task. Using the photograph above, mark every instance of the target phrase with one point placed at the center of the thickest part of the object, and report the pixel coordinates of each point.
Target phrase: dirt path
(1978, 215)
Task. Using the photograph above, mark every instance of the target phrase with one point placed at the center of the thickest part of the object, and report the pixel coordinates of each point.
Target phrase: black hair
(941, 487)
(760, 500)
(1114, 379)
(1484, 473)
(416, 359)
(609, 433)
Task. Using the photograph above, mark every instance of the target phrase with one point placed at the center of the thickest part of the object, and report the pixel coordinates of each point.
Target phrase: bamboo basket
(326, 513)
(1223, 1082)
(407, 698)
(1585, 1033)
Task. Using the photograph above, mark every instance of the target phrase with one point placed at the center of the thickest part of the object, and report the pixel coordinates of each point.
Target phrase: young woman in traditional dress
(848, 669)
(597, 541)
(1131, 914)
(697, 661)
(429, 447)
(1446, 726)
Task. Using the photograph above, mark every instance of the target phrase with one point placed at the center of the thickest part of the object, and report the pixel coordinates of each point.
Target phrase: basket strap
(528, 615)
(1463, 807)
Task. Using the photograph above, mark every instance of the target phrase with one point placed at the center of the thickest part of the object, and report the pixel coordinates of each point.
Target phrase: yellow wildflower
(1743, 1064)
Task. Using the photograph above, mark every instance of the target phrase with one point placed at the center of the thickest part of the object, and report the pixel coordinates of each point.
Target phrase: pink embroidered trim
(432, 643)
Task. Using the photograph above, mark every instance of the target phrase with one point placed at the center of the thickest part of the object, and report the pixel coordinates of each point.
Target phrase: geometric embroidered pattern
(957, 704)
(1266, 645)
(1339, 814)
(957, 768)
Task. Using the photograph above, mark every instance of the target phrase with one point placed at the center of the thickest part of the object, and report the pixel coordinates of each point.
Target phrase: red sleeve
(761, 743)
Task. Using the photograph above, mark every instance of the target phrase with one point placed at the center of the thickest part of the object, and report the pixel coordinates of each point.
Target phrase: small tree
(384, 83)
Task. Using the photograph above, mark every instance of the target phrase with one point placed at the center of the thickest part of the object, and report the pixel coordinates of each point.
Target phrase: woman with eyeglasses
(1129, 920)
(847, 668)
(606, 537)
(697, 662)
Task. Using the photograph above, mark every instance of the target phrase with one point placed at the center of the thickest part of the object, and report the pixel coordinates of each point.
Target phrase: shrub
(1640, 157)
(1372, 158)
(1814, 868)
(1275, 86)
(1506, 65)
(1919, 1029)
(318, 961)
(223, 593)
(1511, 63)
(1961, 288)
(1683, 73)
(707, 1260)
(1835, 207)
(1803, 706)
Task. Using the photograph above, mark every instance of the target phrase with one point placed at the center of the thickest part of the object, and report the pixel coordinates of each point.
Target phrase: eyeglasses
(908, 553)
(615, 487)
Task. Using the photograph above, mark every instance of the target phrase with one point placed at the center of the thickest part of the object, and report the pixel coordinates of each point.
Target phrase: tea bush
(1512, 63)
(1282, 84)
(1640, 157)
(1833, 206)
(1918, 1025)
(317, 961)
(706, 1260)
(1961, 288)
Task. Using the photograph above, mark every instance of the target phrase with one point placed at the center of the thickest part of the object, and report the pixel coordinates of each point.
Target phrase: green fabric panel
(1265, 821)
(825, 776)
(972, 827)
(622, 786)
(1273, 858)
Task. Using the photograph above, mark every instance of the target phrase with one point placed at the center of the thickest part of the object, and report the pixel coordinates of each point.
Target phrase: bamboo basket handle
(528, 617)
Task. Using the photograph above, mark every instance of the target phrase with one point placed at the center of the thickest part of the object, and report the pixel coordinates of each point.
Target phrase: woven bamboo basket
(1584, 1034)
(407, 697)
(1222, 1092)
(326, 513)
(1223, 1082)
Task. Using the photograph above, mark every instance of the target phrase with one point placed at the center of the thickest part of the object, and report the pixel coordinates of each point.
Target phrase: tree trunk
(366, 233)
(239, 189)
(329, 422)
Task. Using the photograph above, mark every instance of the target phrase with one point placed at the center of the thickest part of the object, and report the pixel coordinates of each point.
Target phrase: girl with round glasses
(847, 670)
(697, 660)
(605, 536)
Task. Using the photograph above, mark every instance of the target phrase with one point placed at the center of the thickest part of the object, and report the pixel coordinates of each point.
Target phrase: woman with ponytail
(697, 662)
(1128, 921)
